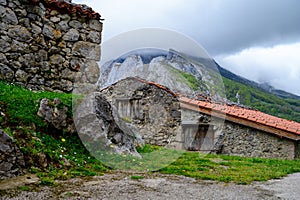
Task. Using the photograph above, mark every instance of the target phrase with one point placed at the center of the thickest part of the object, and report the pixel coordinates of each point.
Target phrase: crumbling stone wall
(48, 45)
(154, 111)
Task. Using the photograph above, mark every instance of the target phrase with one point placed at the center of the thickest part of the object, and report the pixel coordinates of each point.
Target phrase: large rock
(3, 2)
(101, 129)
(53, 114)
(11, 158)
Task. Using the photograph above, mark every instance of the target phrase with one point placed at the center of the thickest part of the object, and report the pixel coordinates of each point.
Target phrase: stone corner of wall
(45, 48)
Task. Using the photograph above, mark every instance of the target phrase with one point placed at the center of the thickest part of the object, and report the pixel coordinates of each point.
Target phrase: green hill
(261, 100)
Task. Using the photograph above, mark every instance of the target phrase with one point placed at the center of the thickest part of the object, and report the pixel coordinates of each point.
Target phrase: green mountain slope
(266, 102)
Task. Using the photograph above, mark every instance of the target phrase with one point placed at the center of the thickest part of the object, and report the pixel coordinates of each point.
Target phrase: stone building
(150, 107)
(49, 44)
(45, 45)
(244, 132)
(163, 117)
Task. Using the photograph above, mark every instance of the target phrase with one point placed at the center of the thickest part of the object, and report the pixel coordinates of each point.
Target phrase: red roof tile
(68, 7)
(246, 115)
(242, 115)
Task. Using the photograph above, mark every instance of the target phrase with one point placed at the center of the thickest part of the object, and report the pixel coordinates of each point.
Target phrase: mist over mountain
(168, 68)
(192, 76)
(262, 86)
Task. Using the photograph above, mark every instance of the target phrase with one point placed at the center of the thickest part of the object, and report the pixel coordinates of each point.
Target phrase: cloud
(279, 65)
(254, 38)
(222, 27)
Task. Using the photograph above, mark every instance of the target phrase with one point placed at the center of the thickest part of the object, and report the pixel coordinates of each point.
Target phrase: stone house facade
(150, 107)
(49, 44)
(245, 132)
(163, 118)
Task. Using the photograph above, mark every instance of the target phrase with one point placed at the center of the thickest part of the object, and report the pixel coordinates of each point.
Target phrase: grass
(136, 177)
(231, 168)
(150, 161)
(24, 188)
(191, 80)
(18, 107)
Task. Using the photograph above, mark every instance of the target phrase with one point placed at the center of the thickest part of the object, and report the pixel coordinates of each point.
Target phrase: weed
(127, 119)
(24, 188)
(136, 177)
(47, 181)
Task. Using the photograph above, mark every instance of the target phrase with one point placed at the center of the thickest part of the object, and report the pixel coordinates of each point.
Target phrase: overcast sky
(257, 39)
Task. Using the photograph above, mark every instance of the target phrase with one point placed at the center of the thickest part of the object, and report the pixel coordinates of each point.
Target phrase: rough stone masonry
(11, 159)
(48, 44)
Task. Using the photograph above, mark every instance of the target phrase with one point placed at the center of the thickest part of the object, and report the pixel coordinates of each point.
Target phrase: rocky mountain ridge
(200, 77)
(179, 73)
(141, 62)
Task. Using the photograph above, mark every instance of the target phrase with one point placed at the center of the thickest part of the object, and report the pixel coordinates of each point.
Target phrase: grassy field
(231, 169)
(68, 158)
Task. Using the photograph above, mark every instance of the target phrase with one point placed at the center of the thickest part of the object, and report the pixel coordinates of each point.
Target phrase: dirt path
(158, 186)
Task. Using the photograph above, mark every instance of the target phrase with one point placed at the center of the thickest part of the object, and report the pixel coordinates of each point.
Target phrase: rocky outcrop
(11, 158)
(177, 71)
(101, 129)
(48, 45)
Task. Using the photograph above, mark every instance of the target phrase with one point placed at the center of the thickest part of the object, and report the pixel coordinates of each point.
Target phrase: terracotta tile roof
(241, 115)
(246, 116)
(66, 6)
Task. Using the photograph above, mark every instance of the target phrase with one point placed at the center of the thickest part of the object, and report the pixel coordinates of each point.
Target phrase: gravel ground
(158, 186)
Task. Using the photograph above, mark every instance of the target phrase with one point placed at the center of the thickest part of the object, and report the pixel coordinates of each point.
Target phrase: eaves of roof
(245, 116)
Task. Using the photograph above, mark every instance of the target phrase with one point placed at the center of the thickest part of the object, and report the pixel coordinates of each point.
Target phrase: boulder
(53, 113)
(101, 128)
(11, 158)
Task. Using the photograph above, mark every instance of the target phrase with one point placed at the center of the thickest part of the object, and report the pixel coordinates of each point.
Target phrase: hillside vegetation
(67, 157)
(266, 102)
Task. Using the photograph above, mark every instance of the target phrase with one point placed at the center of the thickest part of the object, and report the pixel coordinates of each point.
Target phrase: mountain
(192, 76)
(170, 69)
(262, 86)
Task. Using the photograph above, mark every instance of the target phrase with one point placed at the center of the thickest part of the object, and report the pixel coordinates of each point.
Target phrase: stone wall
(200, 131)
(154, 111)
(11, 159)
(44, 47)
(297, 150)
(239, 140)
(244, 141)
